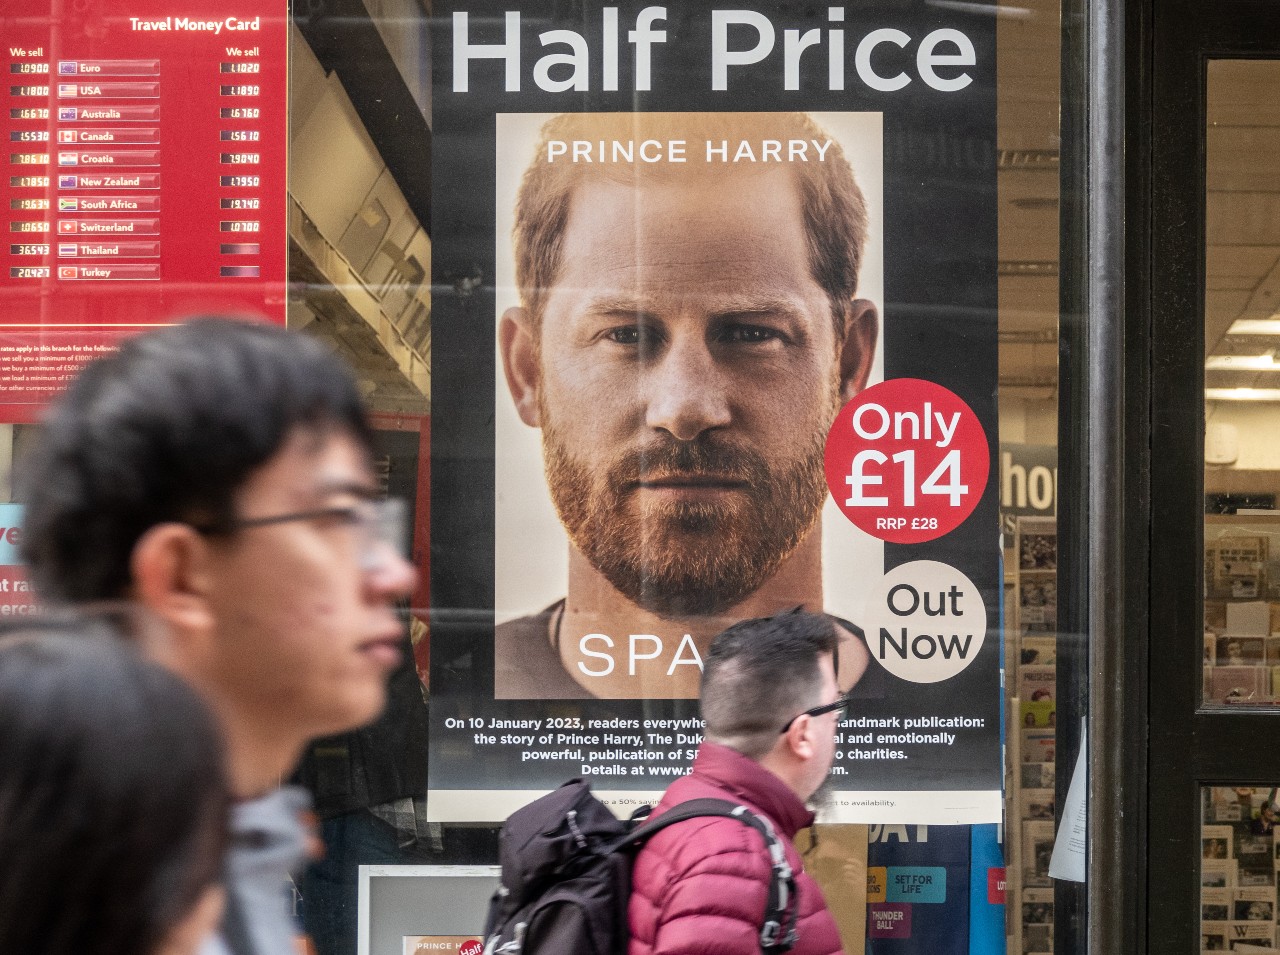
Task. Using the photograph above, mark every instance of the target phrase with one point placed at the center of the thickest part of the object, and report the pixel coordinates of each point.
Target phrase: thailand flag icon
(68, 205)
(67, 135)
(68, 159)
(68, 67)
(68, 182)
(68, 114)
(67, 248)
(68, 272)
(66, 226)
(67, 89)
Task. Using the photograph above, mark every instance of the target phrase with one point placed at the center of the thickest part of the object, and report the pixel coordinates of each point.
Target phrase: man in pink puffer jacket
(770, 704)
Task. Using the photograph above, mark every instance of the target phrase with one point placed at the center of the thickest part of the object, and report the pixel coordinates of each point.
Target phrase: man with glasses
(771, 704)
(215, 480)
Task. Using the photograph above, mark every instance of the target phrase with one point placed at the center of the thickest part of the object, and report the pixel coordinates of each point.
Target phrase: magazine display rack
(1031, 688)
(1237, 870)
(1242, 608)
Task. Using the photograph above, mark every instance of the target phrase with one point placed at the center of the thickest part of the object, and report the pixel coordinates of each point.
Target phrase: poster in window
(713, 338)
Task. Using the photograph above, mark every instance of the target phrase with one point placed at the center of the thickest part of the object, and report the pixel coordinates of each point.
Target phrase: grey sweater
(268, 844)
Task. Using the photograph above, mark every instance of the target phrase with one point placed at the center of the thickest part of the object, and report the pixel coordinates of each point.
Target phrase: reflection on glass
(1029, 105)
(1238, 869)
(1242, 387)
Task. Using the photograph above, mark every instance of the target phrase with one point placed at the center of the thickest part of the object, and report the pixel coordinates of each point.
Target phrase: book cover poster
(714, 337)
(442, 945)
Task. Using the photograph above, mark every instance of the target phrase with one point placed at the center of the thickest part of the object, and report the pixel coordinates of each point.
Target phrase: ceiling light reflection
(1242, 394)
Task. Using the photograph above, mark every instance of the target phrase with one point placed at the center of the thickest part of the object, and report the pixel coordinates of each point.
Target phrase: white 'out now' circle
(925, 621)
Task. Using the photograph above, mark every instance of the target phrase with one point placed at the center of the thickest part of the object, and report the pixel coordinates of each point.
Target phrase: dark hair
(168, 428)
(759, 673)
(113, 803)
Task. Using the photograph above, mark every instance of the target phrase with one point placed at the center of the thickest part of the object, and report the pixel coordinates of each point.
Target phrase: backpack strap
(778, 933)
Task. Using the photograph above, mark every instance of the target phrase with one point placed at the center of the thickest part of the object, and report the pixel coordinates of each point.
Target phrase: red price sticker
(907, 460)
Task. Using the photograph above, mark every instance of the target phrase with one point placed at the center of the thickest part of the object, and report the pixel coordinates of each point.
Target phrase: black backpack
(566, 875)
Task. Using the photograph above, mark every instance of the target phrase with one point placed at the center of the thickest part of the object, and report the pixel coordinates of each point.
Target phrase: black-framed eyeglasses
(382, 524)
(835, 706)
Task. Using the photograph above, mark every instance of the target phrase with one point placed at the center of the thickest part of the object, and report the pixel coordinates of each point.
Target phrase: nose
(388, 575)
(686, 390)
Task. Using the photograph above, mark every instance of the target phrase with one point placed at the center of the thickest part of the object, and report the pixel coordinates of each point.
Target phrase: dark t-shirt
(527, 663)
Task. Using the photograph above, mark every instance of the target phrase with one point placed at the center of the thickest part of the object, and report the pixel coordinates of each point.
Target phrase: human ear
(800, 738)
(518, 347)
(858, 351)
(171, 579)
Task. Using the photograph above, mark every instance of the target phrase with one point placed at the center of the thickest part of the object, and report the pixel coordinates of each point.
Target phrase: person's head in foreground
(113, 803)
(217, 476)
(769, 691)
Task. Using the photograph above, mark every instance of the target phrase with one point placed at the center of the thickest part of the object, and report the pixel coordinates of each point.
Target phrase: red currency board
(144, 179)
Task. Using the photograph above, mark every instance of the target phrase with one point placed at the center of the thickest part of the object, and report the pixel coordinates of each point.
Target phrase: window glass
(1242, 385)
(366, 226)
(1029, 140)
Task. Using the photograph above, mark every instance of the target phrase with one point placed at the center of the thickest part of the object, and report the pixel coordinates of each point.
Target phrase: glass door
(1214, 675)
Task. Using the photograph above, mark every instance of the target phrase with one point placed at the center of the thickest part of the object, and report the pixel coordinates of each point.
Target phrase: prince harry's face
(685, 371)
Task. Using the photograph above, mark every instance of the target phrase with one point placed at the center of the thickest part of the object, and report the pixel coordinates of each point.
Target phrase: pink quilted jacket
(699, 887)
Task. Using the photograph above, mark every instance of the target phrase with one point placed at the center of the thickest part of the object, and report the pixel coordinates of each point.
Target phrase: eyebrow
(326, 486)
(729, 307)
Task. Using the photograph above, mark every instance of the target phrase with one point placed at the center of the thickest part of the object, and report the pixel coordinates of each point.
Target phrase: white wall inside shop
(1028, 420)
(1257, 426)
